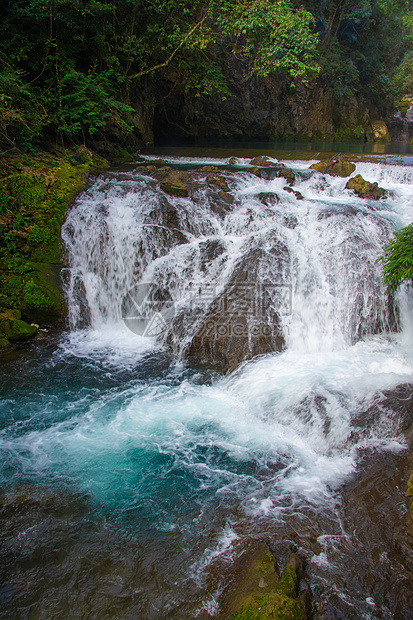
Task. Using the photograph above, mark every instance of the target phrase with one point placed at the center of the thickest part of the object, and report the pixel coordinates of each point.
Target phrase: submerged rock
(364, 189)
(335, 167)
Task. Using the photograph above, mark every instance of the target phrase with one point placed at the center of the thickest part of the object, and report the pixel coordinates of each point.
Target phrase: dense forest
(104, 71)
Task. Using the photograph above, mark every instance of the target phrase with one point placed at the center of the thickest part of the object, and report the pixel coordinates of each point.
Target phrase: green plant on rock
(397, 259)
(35, 298)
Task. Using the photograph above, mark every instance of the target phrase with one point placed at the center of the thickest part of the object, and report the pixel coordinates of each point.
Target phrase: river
(133, 475)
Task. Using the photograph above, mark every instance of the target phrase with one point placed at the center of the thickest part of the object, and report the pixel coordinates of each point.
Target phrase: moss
(365, 189)
(4, 343)
(16, 330)
(273, 606)
(35, 194)
(260, 594)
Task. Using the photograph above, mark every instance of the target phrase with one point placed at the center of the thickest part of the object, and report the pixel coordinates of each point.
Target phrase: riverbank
(35, 193)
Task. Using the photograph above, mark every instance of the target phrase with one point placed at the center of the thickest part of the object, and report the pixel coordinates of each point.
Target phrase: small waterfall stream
(164, 465)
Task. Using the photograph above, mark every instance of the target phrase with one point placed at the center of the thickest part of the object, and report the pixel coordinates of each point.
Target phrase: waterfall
(314, 259)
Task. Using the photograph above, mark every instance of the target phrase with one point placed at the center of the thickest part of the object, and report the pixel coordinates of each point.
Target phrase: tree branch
(168, 60)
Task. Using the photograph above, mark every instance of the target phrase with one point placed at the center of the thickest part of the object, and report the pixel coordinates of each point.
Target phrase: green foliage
(35, 298)
(271, 34)
(72, 69)
(86, 105)
(403, 76)
(397, 259)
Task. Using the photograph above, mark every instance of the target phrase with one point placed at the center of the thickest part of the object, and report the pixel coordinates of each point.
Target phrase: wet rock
(339, 210)
(364, 189)
(4, 343)
(167, 216)
(219, 181)
(227, 198)
(269, 199)
(221, 203)
(335, 167)
(209, 169)
(159, 163)
(288, 174)
(232, 161)
(290, 221)
(262, 160)
(175, 184)
(209, 251)
(258, 592)
(296, 193)
(255, 170)
(241, 322)
(13, 329)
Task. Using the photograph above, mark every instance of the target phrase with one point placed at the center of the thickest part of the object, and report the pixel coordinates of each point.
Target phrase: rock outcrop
(336, 167)
(364, 189)
(175, 184)
(241, 323)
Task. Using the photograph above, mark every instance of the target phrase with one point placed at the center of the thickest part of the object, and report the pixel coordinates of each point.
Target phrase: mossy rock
(271, 606)
(4, 343)
(365, 189)
(335, 167)
(255, 170)
(378, 132)
(38, 191)
(175, 184)
(288, 175)
(259, 593)
(209, 169)
(261, 160)
(219, 181)
(15, 330)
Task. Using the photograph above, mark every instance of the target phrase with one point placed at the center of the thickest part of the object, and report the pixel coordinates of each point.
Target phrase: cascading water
(163, 465)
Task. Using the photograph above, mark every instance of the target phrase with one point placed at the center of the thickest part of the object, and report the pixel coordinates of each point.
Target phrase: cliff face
(260, 109)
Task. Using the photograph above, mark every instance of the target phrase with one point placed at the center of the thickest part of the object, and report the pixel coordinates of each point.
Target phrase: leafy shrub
(397, 259)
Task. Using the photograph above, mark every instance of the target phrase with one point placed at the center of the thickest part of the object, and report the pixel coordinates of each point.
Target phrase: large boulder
(13, 329)
(364, 189)
(242, 322)
(336, 167)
